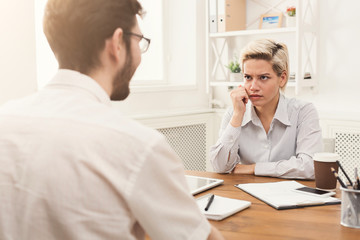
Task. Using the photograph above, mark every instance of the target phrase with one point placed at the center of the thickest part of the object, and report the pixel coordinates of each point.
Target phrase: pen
(357, 178)
(338, 178)
(211, 199)
(342, 169)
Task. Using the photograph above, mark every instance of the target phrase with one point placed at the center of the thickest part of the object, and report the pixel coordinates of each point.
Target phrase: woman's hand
(239, 100)
(244, 169)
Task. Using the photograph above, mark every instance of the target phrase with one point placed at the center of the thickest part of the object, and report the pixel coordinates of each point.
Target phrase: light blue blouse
(286, 151)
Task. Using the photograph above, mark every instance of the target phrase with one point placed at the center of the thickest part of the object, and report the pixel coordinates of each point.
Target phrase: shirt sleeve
(308, 142)
(161, 200)
(224, 154)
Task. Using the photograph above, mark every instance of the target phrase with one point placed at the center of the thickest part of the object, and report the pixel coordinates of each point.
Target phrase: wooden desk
(263, 222)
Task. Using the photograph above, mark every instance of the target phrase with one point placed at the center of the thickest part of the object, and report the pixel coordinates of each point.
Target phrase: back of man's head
(77, 29)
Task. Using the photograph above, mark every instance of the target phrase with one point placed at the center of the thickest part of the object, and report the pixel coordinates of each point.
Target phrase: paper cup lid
(326, 157)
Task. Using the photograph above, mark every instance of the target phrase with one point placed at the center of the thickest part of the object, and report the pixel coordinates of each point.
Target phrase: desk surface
(261, 221)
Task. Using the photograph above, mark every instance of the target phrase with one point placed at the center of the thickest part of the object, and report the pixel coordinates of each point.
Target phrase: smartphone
(315, 192)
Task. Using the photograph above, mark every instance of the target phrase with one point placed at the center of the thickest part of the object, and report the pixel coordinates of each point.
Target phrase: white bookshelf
(302, 42)
(235, 84)
(253, 32)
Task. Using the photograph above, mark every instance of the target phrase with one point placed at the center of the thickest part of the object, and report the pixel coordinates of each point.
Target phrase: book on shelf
(221, 207)
(227, 15)
(213, 16)
(307, 75)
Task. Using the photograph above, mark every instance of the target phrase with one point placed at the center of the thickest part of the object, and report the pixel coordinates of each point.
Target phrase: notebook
(221, 207)
(281, 195)
(200, 184)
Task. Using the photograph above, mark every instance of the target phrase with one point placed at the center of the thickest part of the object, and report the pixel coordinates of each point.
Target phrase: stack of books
(307, 75)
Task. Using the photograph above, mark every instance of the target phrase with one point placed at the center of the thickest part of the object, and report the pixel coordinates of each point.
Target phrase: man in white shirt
(71, 166)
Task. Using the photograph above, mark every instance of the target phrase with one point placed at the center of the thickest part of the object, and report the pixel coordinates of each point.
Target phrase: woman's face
(262, 83)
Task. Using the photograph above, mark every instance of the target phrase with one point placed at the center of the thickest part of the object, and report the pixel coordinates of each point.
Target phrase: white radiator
(189, 142)
(347, 145)
(345, 130)
(189, 134)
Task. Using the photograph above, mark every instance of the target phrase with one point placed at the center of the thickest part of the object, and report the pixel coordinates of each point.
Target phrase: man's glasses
(144, 42)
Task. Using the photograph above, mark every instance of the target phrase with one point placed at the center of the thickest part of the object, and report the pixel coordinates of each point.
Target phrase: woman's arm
(308, 141)
(224, 154)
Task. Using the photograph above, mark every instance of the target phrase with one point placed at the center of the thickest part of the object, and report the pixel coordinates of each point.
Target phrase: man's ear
(117, 43)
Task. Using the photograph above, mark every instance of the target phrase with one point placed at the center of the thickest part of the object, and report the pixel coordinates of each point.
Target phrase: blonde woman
(265, 133)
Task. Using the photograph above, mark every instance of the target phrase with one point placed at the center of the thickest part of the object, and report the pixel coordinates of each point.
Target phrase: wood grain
(261, 221)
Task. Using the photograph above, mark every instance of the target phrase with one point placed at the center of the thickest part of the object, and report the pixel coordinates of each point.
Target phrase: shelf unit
(302, 42)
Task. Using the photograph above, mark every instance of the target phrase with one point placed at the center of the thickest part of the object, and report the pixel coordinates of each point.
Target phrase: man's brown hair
(77, 29)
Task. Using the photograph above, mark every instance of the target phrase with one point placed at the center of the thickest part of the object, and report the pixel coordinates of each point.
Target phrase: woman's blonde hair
(269, 50)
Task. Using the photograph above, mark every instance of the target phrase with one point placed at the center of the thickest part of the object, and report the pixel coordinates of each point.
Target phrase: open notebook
(281, 195)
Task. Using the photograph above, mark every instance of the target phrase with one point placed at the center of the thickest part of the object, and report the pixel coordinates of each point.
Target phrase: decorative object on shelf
(270, 21)
(291, 16)
(235, 70)
(234, 66)
(235, 77)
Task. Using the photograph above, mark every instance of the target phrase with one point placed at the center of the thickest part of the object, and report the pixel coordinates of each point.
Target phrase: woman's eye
(264, 77)
(247, 77)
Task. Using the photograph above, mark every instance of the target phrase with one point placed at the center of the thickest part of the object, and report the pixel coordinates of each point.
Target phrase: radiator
(347, 145)
(189, 134)
(189, 142)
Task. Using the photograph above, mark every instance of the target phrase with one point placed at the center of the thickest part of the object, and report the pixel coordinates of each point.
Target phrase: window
(151, 68)
(171, 58)
(46, 64)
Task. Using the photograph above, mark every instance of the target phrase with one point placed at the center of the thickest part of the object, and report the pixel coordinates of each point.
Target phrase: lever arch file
(221, 15)
(231, 15)
(213, 21)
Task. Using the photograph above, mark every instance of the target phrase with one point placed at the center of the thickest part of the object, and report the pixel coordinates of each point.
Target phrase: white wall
(17, 49)
(338, 71)
(339, 51)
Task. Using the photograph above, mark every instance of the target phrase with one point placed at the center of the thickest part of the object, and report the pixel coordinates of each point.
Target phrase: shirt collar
(250, 116)
(281, 113)
(77, 80)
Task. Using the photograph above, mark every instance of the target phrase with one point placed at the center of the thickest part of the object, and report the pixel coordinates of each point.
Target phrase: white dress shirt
(286, 151)
(72, 167)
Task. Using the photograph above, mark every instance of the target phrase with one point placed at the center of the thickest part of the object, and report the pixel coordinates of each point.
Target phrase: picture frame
(270, 21)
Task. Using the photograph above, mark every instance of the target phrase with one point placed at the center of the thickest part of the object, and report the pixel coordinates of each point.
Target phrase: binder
(231, 15)
(221, 15)
(213, 15)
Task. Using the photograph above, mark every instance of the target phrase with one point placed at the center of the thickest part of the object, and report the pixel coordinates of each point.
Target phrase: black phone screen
(312, 190)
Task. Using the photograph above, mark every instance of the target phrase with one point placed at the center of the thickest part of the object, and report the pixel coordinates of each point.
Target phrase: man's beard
(121, 81)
